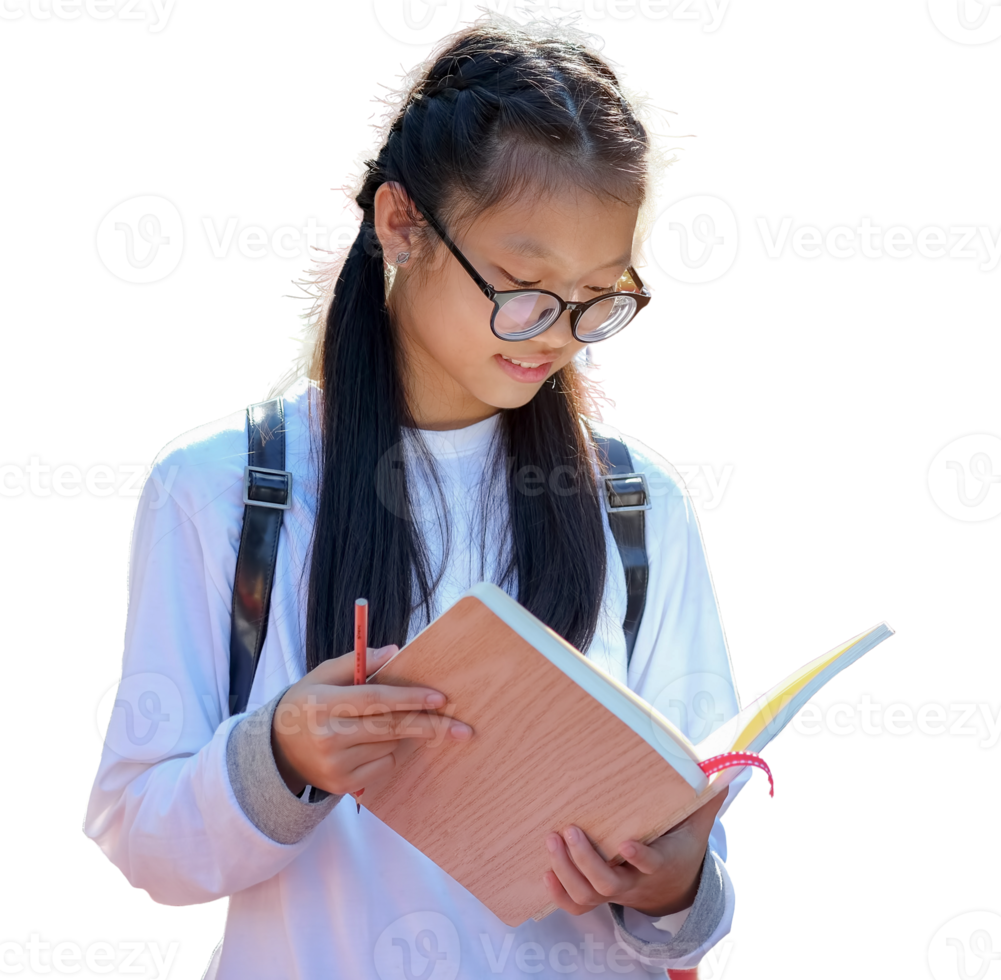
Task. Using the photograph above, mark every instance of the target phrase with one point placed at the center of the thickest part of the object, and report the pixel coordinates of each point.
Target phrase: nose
(559, 334)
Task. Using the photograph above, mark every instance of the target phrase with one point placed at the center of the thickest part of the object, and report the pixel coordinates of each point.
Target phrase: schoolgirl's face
(457, 372)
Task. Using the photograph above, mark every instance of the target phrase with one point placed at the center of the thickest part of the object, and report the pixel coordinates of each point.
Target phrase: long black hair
(499, 109)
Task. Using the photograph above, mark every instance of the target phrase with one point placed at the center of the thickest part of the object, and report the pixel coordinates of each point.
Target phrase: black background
(829, 384)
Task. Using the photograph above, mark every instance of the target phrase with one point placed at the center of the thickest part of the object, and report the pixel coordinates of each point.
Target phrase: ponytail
(361, 547)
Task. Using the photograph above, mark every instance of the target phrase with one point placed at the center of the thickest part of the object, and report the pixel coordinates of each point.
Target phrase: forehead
(569, 228)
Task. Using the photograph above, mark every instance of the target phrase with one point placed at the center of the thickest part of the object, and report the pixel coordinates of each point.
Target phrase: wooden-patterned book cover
(544, 754)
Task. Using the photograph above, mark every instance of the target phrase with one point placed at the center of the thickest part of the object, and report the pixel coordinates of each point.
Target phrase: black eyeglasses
(520, 314)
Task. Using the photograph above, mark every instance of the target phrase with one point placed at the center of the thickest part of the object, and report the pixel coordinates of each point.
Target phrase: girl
(442, 437)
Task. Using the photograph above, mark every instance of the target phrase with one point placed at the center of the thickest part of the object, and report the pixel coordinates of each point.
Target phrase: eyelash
(521, 284)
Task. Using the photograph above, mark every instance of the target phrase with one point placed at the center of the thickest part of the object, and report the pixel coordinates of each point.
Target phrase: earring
(402, 257)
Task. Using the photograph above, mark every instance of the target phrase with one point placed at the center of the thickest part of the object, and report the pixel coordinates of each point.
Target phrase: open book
(556, 741)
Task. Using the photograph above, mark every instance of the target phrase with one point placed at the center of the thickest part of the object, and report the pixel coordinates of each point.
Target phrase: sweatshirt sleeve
(681, 665)
(681, 944)
(259, 787)
(163, 806)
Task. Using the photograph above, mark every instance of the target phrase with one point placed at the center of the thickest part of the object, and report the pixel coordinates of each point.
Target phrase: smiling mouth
(526, 364)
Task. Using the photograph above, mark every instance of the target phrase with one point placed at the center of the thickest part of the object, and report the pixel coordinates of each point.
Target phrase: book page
(764, 718)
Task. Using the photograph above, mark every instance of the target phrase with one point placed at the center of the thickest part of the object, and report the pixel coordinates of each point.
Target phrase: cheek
(454, 326)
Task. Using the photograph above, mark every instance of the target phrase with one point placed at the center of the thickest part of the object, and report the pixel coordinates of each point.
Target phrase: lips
(519, 372)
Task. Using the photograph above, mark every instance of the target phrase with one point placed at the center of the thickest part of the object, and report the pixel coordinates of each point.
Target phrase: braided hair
(500, 110)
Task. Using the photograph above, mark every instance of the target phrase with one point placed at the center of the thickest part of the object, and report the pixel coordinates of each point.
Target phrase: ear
(392, 220)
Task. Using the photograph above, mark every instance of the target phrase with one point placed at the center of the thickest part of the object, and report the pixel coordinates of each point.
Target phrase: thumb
(340, 671)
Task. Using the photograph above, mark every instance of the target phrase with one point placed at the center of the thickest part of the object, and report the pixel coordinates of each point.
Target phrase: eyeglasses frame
(577, 310)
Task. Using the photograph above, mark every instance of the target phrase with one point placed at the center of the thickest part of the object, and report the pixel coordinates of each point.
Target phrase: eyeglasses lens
(525, 315)
(606, 318)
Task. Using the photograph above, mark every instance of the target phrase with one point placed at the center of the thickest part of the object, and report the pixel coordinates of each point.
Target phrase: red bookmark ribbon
(730, 759)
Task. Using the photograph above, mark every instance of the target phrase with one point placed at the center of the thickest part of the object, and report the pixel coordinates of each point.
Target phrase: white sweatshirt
(190, 814)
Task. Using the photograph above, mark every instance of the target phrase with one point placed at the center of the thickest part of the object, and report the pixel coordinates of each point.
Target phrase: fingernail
(553, 843)
(573, 835)
(435, 700)
(459, 729)
(628, 850)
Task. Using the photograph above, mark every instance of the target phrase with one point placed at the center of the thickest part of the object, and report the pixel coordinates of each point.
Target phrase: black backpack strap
(626, 496)
(267, 494)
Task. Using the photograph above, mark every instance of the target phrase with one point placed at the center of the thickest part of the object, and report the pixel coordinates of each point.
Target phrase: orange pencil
(361, 658)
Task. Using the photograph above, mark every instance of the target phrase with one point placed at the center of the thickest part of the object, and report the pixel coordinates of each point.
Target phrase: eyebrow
(536, 250)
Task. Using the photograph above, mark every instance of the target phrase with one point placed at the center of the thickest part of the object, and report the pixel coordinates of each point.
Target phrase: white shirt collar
(466, 441)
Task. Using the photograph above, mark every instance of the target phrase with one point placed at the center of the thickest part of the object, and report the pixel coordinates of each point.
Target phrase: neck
(436, 401)
(446, 420)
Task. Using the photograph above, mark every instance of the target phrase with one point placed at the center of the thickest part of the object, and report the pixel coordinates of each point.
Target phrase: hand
(658, 879)
(329, 733)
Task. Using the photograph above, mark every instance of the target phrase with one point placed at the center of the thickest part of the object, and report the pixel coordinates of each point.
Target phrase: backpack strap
(626, 496)
(267, 494)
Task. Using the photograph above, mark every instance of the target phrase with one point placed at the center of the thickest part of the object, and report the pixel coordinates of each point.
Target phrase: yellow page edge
(778, 706)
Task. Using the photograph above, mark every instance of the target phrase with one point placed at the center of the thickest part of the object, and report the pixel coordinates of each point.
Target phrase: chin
(510, 395)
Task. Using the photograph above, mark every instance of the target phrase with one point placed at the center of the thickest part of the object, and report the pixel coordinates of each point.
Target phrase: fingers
(349, 726)
(324, 715)
(560, 897)
(585, 876)
(364, 766)
(643, 858)
(331, 684)
(345, 778)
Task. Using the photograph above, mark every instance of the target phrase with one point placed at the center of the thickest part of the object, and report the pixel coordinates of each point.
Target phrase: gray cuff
(258, 785)
(705, 916)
